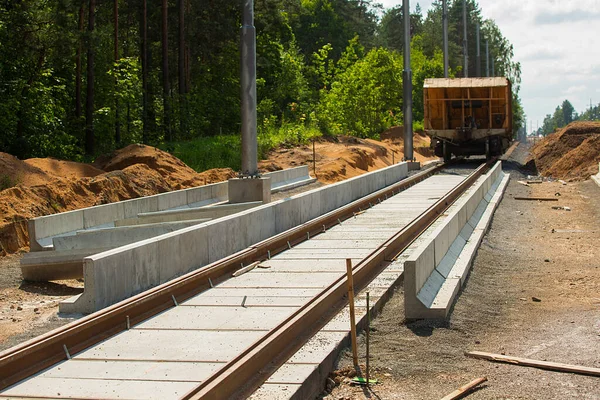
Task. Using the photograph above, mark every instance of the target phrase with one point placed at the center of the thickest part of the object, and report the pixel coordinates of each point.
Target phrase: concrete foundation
(436, 269)
(249, 190)
(120, 273)
(43, 229)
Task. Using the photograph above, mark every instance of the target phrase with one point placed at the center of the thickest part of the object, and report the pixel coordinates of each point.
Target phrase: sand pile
(346, 156)
(572, 153)
(47, 186)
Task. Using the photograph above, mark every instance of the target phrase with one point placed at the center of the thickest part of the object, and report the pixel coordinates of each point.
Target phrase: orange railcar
(468, 116)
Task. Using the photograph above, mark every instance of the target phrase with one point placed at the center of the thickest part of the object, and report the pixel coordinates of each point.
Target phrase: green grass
(7, 182)
(224, 151)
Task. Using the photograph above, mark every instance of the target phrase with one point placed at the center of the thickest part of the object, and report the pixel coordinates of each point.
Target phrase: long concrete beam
(431, 283)
(186, 214)
(42, 229)
(116, 237)
(122, 272)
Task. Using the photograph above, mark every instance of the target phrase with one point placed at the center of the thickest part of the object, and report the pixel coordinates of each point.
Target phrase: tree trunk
(182, 85)
(117, 122)
(165, 62)
(89, 103)
(78, 66)
(144, 31)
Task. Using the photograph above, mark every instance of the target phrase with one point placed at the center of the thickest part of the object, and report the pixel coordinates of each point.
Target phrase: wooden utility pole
(165, 65)
(89, 102)
(117, 122)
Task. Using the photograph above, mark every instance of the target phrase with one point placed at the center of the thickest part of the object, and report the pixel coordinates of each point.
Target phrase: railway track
(267, 349)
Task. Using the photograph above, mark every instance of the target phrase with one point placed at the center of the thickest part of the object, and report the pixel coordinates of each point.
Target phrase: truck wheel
(447, 153)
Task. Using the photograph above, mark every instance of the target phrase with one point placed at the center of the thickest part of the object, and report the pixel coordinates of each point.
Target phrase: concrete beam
(117, 274)
(116, 237)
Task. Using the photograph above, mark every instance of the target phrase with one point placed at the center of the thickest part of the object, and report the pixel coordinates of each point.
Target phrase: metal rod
(210, 283)
(445, 29)
(66, 352)
(465, 42)
(248, 101)
(407, 86)
(244, 301)
(128, 323)
(174, 300)
(352, 317)
(368, 330)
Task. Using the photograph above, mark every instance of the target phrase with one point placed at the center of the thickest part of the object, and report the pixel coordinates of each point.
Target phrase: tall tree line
(83, 77)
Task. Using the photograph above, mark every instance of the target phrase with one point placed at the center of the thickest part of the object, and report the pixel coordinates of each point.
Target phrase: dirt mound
(14, 171)
(48, 186)
(63, 169)
(572, 153)
(344, 157)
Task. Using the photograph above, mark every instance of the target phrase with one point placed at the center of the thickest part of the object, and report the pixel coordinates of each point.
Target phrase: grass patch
(6, 182)
(224, 151)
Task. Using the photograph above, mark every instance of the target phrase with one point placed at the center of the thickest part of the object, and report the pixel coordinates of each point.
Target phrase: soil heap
(47, 186)
(571, 153)
(343, 157)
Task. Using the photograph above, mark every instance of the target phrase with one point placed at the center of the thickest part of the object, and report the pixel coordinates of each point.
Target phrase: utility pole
(248, 80)
(407, 86)
(478, 59)
(445, 28)
(465, 42)
(487, 58)
(493, 67)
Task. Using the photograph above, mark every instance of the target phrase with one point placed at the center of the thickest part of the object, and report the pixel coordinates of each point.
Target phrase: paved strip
(166, 355)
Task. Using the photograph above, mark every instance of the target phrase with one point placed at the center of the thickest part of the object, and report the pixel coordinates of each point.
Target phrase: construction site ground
(533, 292)
(46, 186)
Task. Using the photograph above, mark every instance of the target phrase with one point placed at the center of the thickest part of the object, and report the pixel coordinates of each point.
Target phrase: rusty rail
(257, 362)
(35, 355)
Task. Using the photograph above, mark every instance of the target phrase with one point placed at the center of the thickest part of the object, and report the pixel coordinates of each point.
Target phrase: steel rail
(257, 362)
(37, 354)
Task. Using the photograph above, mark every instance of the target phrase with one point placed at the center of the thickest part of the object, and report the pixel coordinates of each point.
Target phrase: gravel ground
(530, 251)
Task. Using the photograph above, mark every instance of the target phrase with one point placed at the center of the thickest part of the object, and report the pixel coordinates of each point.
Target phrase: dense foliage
(83, 77)
(564, 114)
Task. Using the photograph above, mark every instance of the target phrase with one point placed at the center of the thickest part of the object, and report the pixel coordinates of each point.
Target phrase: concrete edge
(424, 261)
(67, 222)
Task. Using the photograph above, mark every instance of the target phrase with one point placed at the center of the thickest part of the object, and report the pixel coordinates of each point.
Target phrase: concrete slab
(99, 389)
(281, 280)
(223, 319)
(171, 345)
(133, 370)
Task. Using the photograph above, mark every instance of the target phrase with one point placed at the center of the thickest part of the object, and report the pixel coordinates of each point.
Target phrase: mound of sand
(572, 153)
(344, 157)
(47, 186)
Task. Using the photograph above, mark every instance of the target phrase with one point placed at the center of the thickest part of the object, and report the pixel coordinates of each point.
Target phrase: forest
(80, 78)
(563, 115)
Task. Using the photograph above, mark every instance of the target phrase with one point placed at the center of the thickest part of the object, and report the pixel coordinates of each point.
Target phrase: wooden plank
(464, 390)
(537, 198)
(352, 315)
(552, 366)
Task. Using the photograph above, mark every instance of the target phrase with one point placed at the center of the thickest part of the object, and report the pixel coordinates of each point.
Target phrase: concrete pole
(487, 58)
(445, 28)
(248, 82)
(407, 86)
(465, 42)
(478, 59)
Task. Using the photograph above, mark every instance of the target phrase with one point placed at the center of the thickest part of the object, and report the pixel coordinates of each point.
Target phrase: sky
(557, 44)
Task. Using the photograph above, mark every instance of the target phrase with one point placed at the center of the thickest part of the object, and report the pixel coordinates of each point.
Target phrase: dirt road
(530, 251)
